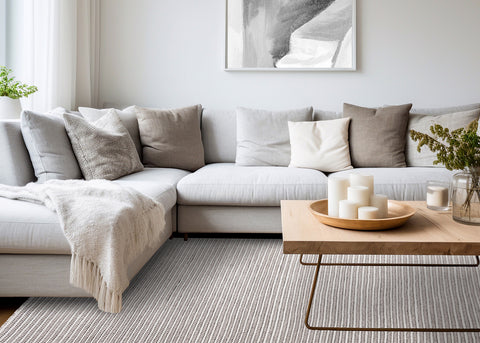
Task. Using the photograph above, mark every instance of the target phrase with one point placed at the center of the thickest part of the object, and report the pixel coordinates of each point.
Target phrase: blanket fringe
(87, 275)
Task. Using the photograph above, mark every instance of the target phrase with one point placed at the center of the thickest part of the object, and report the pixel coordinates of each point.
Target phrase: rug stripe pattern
(246, 290)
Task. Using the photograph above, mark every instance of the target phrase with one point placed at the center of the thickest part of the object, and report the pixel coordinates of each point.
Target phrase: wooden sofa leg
(185, 236)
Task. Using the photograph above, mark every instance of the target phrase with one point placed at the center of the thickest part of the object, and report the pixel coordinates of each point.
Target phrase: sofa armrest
(15, 166)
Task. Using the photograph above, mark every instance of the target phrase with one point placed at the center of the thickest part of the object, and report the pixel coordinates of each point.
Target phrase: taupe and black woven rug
(246, 290)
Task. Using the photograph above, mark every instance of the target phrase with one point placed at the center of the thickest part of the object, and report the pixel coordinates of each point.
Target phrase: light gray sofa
(220, 197)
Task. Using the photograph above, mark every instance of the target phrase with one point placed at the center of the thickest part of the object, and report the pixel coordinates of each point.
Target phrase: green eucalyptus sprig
(457, 149)
(12, 88)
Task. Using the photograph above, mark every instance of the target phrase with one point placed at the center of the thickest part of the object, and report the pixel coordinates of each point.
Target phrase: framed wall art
(290, 35)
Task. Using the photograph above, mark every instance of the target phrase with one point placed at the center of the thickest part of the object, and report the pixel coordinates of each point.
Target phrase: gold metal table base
(336, 328)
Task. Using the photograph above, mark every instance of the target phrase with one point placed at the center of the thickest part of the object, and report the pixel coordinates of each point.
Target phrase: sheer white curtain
(60, 52)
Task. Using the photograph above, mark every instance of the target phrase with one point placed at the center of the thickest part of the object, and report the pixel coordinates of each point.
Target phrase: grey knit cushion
(104, 148)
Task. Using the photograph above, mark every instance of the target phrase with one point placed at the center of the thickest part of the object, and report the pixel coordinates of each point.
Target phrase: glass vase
(466, 196)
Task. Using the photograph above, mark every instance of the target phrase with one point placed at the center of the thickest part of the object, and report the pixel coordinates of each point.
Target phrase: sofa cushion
(127, 116)
(219, 135)
(34, 229)
(225, 184)
(377, 135)
(321, 145)
(262, 136)
(403, 183)
(49, 148)
(171, 138)
(422, 123)
(104, 148)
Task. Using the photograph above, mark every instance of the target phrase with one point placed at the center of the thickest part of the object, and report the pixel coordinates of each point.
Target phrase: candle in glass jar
(362, 180)
(337, 190)
(347, 209)
(368, 212)
(437, 196)
(380, 201)
(359, 194)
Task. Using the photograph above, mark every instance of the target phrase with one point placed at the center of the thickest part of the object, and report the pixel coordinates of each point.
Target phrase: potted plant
(11, 91)
(458, 150)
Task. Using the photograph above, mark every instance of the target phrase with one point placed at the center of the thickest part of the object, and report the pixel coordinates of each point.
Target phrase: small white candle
(368, 212)
(359, 194)
(337, 190)
(362, 180)
(437, 196)
(380, 201)
(347, 209)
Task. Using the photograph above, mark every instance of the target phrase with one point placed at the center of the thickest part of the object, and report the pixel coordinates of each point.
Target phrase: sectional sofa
(219, 197)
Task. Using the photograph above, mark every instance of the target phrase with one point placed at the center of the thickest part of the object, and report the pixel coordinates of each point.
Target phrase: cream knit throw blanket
(107, 226)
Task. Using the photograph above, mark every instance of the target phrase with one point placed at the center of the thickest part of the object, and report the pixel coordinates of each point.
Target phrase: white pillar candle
(380, 201)
(362, 180)
(337, 190)
(347, 209)
(368, 212)
(437, 196)
(359, 194)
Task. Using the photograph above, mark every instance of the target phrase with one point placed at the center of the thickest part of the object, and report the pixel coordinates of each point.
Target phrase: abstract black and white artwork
(290, 34)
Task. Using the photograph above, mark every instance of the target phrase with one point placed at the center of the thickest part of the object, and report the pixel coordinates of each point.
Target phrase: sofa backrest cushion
(16, 167)
(219, 135)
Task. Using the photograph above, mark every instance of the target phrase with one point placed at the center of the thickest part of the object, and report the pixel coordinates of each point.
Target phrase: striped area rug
(246, 290)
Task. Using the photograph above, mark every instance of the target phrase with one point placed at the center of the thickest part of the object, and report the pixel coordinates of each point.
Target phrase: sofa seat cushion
(27, 228)
(225, 184)
(403, 183)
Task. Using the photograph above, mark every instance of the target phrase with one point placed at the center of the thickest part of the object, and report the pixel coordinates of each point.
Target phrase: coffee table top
(428, 232)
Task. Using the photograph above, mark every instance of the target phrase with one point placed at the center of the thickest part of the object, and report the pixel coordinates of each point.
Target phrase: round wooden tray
(398, 214)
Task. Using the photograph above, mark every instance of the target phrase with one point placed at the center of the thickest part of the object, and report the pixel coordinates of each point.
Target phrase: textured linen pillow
(422, 123)
(127, 116)
(377, 135)
(262, 136)
(104, 148)
(171, 138)
(49, 147)
(321, 145)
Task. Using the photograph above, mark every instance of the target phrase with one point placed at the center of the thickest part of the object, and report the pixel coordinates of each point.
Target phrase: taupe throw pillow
(377, 135)
(171, 138)
(263, 138)
(104, 148)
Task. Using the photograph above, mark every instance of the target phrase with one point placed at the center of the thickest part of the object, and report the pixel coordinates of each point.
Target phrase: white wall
(171, 53)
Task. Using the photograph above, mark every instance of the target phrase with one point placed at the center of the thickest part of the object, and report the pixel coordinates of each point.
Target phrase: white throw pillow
(262, 136)
(321, 145)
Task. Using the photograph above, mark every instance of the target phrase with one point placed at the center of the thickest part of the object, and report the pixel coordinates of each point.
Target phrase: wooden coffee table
(426, 233)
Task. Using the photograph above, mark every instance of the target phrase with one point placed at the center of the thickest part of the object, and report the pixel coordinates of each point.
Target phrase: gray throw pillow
(127, 116)
(104, 148)
(171, 138)
(49, 147)
(377, 135)
(263, 138)
(422, 123)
